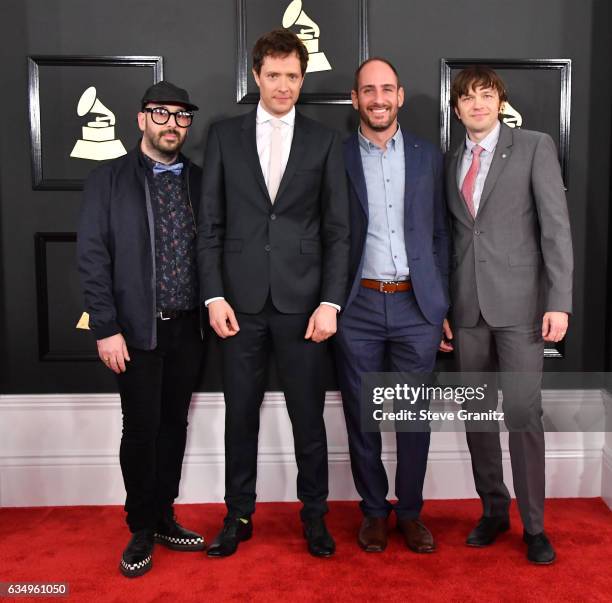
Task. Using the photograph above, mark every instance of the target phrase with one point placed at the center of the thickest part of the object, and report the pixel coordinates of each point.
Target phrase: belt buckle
(161, 315)
(381, 286)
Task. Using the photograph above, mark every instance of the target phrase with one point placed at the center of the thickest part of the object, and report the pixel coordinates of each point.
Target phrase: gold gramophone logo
(309, 33)
(510, 116)
(98, 142)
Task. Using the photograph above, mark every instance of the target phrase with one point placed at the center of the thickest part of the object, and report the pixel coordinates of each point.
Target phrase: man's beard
(167, 149)
(379, 126)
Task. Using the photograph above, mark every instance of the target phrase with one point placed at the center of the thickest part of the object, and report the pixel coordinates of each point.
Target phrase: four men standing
(282, 248)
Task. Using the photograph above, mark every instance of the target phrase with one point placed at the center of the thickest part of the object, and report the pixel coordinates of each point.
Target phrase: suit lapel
(502, 153)
(456, 200)
(354, 169)
(249, 142)
(298, 145)
(412, 163)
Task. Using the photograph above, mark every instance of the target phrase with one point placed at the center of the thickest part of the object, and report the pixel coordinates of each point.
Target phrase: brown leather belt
(386, 286)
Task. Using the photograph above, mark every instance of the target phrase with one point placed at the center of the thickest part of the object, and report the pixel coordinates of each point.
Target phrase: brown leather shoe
(372, 536)
(418, 537)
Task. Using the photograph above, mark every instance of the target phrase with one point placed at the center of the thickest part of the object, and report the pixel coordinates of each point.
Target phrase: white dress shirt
(263, 133)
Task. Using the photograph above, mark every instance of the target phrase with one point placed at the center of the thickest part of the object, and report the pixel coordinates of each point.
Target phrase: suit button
(268, 247)
(272, 216)
(477, 232)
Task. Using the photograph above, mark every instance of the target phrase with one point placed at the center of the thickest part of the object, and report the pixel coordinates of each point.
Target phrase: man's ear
(142, 120)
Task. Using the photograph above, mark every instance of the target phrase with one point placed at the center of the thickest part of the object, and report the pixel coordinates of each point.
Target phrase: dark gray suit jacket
(514, 261)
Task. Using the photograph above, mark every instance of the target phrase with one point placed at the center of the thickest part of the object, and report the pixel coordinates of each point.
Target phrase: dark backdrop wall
(197, 40)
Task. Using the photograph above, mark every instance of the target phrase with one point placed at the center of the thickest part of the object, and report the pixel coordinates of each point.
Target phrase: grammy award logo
(510, 116)
(98, 142)
(309, 34)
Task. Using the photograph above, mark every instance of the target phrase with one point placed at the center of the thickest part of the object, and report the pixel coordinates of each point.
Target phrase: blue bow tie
(175, 168)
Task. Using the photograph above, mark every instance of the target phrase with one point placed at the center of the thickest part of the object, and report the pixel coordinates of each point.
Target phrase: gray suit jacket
(514, 261)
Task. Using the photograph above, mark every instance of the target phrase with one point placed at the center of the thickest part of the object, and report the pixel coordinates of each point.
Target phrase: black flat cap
(165, 92)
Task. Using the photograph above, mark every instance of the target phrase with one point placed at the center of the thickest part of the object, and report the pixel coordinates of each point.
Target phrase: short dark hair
(473, 77)
(371, 60)
(279, 42)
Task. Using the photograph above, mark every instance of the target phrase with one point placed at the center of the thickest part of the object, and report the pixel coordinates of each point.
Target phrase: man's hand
(113, 352)
(554, 326)
(222, 319)
(322, 324)
(447, 335)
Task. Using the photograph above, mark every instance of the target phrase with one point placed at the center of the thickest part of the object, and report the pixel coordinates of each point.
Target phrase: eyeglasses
(161, 116)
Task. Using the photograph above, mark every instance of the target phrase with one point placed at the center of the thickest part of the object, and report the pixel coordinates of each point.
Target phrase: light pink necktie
(467, 188)
(276, 152)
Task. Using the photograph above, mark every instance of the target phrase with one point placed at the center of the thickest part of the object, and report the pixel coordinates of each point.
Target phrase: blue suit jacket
(425, 223)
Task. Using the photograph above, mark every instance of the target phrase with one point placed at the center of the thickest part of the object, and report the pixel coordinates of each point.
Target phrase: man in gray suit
(511, 290)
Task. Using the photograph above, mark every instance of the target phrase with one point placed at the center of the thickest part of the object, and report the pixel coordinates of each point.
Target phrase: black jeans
(155, 395)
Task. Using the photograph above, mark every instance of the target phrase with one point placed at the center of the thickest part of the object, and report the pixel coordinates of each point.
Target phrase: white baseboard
(606, 470)
(63, 450)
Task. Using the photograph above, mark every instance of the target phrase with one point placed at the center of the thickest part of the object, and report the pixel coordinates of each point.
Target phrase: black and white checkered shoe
(137, 559)
(171, 534)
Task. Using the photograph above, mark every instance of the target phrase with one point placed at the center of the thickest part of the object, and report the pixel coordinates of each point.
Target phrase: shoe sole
(186, 548)
(479, 545)
(543, 562)
(136, 573)
(322, 555)
(422, 552)
(371, 549)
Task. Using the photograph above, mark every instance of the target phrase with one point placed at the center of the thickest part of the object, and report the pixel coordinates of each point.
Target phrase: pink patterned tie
(467, 188)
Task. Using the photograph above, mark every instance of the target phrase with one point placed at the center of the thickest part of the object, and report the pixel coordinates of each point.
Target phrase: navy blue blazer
(425, 223)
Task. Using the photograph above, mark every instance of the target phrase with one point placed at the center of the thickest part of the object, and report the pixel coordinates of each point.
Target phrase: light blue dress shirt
(385, 176)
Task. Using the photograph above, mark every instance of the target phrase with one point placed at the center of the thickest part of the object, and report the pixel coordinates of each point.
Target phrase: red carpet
(82, 546)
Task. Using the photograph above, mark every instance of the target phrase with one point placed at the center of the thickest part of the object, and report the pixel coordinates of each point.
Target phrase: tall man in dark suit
(273, 251)
(511, 290)
(398, 292)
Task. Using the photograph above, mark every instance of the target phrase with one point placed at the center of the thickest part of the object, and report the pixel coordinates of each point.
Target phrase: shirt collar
(488, 143)
(393, 142)
(263, 116)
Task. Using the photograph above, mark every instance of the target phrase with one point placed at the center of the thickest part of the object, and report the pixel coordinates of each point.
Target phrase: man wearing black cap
(137, 261)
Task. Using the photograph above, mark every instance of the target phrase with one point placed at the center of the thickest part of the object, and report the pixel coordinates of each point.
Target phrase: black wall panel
(197, 40)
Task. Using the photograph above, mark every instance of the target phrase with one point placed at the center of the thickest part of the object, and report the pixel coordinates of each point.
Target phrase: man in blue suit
(398, 293)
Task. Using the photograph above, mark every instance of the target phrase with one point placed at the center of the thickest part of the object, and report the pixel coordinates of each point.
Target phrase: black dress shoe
(320, 542)
(137, 559)
(539, 549)
(235, 530)
(174, 536)
(487, 530)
